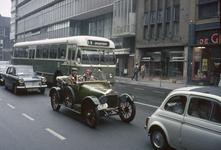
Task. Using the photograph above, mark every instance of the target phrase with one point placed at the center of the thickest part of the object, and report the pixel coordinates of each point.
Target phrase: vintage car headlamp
(103, 99)
(110, 75)
(43, 79)
(21, 80)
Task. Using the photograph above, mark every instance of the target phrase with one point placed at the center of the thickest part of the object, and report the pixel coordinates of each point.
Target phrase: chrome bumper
(31, 87)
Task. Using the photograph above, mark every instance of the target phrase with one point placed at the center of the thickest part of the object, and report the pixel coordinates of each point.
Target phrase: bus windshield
(92, 57)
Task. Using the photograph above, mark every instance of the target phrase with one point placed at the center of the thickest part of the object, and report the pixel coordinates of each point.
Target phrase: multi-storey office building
(46, 19)
(204, 53)
(162, 37)
(5, 46)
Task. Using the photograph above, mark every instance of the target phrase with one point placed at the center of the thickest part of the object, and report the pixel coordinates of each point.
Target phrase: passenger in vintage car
(87, 76)
(72, 78)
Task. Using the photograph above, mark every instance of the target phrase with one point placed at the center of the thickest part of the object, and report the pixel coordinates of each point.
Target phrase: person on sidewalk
(135, 70)
(143, 70)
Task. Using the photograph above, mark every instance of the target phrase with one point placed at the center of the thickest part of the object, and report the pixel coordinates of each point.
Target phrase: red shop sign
(215, 38)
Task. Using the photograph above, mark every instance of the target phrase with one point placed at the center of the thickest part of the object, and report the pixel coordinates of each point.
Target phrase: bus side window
(45, 51)
(39, 52)
(53, 51)
(69, 53)
(30, 53)
(73, 54)
(33, 53)
(62, 51)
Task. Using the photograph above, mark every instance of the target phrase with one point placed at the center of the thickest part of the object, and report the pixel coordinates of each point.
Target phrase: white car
(189, 118)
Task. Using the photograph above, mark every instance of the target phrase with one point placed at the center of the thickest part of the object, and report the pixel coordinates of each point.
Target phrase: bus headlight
(43, 79)
(111, 75)
(21, 80)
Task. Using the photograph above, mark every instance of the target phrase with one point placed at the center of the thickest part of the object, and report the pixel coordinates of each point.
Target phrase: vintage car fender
(125, 96)
(92, 99)
(55, 89)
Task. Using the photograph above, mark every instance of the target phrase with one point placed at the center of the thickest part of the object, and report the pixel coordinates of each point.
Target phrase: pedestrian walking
(135, 70)
(143, 70)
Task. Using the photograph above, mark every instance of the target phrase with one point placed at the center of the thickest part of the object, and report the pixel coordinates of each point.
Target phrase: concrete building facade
(162, 37)
(5, 46)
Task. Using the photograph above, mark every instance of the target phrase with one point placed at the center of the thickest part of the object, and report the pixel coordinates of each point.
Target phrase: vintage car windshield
(25, 71)
(97, 76)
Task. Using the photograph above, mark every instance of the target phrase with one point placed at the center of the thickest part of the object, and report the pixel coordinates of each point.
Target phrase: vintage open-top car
(92, 99)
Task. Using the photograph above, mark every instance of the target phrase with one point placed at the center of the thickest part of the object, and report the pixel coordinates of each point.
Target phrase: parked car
(92, 99)
(22, 78)
(3, 67)
(189, 118)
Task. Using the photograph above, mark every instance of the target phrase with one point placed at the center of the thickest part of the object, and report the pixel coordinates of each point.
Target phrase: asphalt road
(29, 123)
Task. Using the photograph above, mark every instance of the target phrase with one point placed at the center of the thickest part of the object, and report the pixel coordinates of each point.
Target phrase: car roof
(21, 66)
(201, 90)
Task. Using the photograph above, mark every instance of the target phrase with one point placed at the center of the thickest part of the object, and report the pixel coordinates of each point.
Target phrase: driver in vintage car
(72, 78)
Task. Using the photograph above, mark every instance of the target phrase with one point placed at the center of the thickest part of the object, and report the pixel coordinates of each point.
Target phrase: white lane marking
(55, 134)
(30, 118)
(146, 105)
(121, 85)
(138, 89)
(159, 92)
(11, 106)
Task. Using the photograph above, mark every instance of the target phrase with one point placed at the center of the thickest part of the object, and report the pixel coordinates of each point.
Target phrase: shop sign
(215, 38)
(204, 65)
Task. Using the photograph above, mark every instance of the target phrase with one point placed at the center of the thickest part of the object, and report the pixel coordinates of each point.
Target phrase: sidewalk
(164, 84)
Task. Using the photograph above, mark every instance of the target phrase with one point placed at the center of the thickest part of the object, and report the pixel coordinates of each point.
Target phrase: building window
(2, 32)
(145, 32)
(200, 63)
(145, 18)
(160, 30)
(208, 10)
(168, 14)
(152, 31)
(176, 13)
(160, 16)
(153, 17)
(176, 28)
(167, 29)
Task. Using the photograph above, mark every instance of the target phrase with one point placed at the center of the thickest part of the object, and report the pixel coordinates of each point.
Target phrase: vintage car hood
(95, 88)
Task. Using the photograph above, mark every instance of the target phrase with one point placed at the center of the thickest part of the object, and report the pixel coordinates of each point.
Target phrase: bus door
(31, 54)
(71, 57)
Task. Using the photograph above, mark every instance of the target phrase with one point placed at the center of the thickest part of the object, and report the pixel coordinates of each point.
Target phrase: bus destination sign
(98, 43)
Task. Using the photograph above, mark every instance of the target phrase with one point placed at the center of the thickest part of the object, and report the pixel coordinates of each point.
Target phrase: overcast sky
(5, 8)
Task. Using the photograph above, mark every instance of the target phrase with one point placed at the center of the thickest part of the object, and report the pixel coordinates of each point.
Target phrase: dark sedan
(22, 78)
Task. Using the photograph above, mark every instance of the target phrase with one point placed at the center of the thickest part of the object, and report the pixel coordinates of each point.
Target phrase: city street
(28, 122)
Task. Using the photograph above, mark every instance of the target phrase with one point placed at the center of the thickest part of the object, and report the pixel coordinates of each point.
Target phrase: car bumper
(31, 87)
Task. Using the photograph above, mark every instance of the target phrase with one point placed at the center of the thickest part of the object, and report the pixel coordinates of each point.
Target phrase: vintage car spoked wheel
(69, 98)
(54, 101)
(91, 115)
(158, 139)
(127, 112)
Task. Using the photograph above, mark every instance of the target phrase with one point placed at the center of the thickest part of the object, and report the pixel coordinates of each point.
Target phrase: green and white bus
(56, 57)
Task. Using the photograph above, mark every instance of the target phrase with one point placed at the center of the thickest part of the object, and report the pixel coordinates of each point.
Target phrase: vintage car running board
(70, 109)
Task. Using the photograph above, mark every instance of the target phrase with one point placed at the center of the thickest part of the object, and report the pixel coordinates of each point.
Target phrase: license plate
(102, 106)
(31, 90)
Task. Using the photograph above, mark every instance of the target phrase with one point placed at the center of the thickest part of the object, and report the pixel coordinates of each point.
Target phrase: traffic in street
(29, 122)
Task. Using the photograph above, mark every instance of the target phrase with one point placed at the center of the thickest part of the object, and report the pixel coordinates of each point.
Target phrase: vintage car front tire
(128, 111)
(15, 90)
(69, 97)
(54, 101)
(91, 114)
(158, 139)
